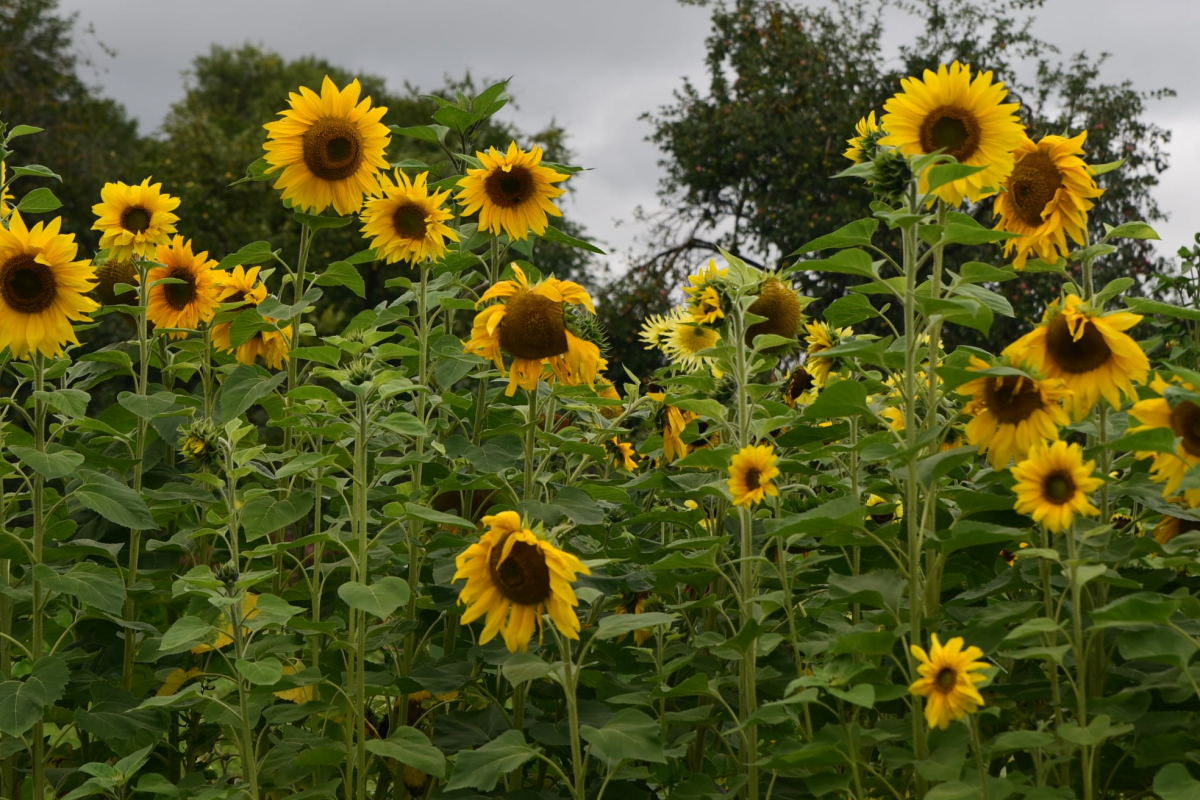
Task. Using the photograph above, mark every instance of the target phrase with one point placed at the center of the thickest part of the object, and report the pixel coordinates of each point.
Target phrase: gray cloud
(594, 67)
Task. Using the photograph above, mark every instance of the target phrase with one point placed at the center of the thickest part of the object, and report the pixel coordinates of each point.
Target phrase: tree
(749, 161)
(88, 139)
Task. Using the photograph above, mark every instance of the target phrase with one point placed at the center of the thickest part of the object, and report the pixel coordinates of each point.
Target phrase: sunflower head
(822, 337)
(108, 275)
(966, 117)
(530, 324)
(200, 443)
(1053, 485)
(511, 192)
(327, 148)
(1046, 199)
(706, 293)
(1169, 527)
(750, 475)
(622, 453)
(191, 292)
(1183, 419)
(949, 676)
(782, 308)
(865, 141)
(609, 392)
(882, 517)
(407, 223)
(134, 220)
(514, 576)
(1090, 352)
(1011, 413)
(42, 288)
(801, 388)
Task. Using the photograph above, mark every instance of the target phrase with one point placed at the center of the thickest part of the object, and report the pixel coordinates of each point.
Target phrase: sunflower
(883, 517)
(963, 117)
(183, 305)
(407, 222)
(822, 337)
(514, 577)
(329, 148)
(1184, 421)
(1088, 351)
(609, 392)
(704, 295)
(200, 443)
(685, 343)
(5, 194)
(299, 695)
(657, 327)
(529, 325)
(108, 275)
(1009, 556)
(1011, 413)
(42, 288)
(782, 308)
(242, 286)
(134, 220)
(673, 422)
(866, 137)
(1053, 485)
(949, 675)
(1046, 198)
(511, 192)
(634, 603)
(623, 454)
(750, 474)
(801, 388)
(1169, 527)
(175, 680)
(225, 632)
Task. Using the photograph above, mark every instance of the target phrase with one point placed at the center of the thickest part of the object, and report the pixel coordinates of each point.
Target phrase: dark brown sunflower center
(523, 577)
(1077, 356)
(333, 149)
(178, 295)
(946, 679)
(1012, 399)
(27, 286)
(409, 220)
(135, 219)
(1058, 487)
(1034, 182)
(952, 129)
(509, 189)
(236, 297)
(532, 327)
(1185, 421)
(800, 383)
(752, 478)
(778, 303)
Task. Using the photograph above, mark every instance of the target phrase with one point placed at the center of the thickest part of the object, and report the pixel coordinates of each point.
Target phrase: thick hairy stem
(39, 537)
(142, 427)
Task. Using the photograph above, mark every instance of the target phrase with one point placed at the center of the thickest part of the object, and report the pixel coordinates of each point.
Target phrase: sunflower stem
(912, 518)
(530, 441)
(977, 746)
(358, 618)
(39, 536)
(135, 536)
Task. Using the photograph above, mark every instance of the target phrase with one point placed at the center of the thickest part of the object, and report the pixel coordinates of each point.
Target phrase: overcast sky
(593, 66)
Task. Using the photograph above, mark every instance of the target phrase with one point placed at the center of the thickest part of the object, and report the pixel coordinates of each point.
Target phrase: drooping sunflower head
(822, 337)
(1053, 485)
(242, 286)
(511, 192)
(634, 603)
(800, 389)
(1088, 351)
(408, 223)
(514, 576)
(42, 288)
(192, 293)
(108, 275)
(782, 308)
(1183, 419)
(964, 117)
(750, 475)
(327, 148)
(1046, 199)
(622, 453)
(949, 677)
(1012, 413)
(865, 141)
(705, 292)
(134, 220)
(530, 324)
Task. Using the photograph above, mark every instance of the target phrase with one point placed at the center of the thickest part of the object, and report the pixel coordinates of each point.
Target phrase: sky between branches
(595, 67)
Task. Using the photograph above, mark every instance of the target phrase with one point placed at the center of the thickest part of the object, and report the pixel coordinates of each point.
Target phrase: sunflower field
(446, 553)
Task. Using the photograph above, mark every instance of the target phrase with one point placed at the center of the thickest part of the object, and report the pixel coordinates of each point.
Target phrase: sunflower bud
(359, 372)
(227, 574)
(892, 174)
(200, 443)
(781, 307)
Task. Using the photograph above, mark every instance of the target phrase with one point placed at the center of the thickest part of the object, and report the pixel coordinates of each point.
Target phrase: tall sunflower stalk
(141, 385)
(37, 501)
